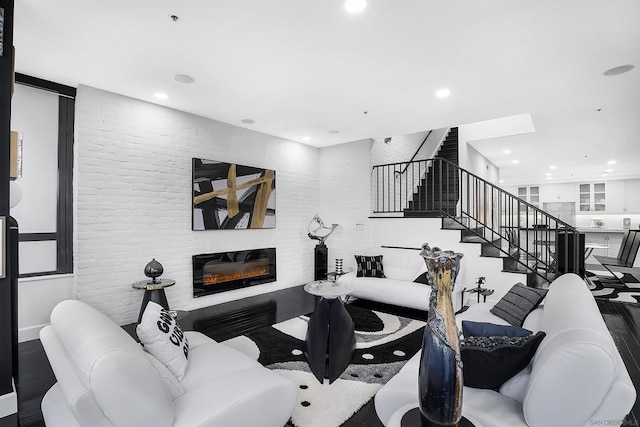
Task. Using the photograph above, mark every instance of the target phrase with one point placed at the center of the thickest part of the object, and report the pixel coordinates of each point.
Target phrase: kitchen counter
(601, 230)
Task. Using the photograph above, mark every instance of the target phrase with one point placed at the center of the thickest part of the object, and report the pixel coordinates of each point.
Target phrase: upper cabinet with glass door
(530, 194)
(592, 197)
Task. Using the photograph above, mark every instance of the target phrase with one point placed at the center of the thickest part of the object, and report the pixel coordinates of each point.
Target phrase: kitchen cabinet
(615, 196)
(530, 194)
(558, 192)
(612, 197)
(631, 196)
(592, 197)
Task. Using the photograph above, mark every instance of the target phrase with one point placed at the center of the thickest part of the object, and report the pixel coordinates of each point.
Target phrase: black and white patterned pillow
(516, 305)
(160, 335)
(490, 361)
(369, 266)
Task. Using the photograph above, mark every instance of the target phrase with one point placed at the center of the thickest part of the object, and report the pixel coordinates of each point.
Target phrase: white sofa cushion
(161, 336)
(391, 291)
(211, 360)
(171, 384)
(119, 385)
(516, 386)
(577, 367)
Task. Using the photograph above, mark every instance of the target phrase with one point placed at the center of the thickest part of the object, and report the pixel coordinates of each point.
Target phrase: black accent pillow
(483, 329)
(487, 362)
(423, 278)
(369, 266)
(516, 305)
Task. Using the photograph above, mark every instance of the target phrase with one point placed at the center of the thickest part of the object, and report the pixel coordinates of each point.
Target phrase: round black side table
(412, 419)
(409, 416)
(153, 292)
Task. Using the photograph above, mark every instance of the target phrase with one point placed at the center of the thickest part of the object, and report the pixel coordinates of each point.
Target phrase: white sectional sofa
(401, 267)
(106, 379)
(576, 378)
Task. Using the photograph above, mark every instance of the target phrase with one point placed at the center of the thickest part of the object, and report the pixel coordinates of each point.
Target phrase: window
(43, 116)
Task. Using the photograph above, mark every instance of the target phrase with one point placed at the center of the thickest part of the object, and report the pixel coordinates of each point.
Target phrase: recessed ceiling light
(248, 121)
(553, 167)
(619, 70)
(355, 6)
(160, 95)
(306, 138)
(501, 181)
(506, 151)
(605, 174)
(443, 93)
(548, 174)
(184, 78)
(611, 162)
(334, 132)
(515, 162)
(549, 177)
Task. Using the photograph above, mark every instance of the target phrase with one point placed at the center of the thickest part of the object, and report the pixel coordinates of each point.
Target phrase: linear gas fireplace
(226, 271)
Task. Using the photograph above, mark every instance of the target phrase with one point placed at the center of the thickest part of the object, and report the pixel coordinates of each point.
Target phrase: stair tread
(472, 239)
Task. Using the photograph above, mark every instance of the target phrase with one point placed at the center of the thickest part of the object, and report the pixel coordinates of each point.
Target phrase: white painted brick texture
(132, 188)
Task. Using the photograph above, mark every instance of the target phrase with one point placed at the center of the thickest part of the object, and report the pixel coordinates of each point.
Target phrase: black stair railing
(520, 230)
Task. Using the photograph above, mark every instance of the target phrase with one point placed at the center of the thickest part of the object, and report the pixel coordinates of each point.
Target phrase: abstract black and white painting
(232, 196)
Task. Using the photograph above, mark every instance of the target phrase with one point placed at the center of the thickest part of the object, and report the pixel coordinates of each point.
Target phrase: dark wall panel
(7, 325)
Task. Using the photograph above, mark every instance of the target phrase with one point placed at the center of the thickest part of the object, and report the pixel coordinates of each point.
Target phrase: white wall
(413, 232)
(481, 166)
(36, 298)
(344, 197)
(402, 147)
(132, 187)
(505, 126)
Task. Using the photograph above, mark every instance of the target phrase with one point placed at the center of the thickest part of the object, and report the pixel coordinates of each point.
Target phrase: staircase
(507, 227)
(429, 200)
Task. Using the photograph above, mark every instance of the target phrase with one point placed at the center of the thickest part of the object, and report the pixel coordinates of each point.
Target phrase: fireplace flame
(213, 278)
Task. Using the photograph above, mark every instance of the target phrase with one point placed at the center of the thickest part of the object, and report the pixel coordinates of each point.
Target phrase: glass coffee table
(330, 341)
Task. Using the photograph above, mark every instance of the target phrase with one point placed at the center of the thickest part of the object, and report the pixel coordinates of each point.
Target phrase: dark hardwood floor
(238, 317)
(623, 321)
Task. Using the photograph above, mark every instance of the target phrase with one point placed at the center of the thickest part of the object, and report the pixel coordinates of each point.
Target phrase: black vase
(153, 270)
(440, 373)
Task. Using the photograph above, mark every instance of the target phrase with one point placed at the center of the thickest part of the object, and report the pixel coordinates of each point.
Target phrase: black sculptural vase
(153, 270)
(440, 374)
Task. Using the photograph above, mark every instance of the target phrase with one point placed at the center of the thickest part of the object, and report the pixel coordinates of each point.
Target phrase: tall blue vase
(440, 374)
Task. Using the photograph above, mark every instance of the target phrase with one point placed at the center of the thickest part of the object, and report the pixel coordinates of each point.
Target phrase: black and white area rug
(384, 343)
(614, 292)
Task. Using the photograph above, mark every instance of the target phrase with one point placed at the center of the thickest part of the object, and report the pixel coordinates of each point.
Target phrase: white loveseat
(106, 379)
(576, 378)
(401, 267)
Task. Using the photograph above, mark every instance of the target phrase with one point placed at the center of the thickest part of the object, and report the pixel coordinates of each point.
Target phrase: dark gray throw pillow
(484, 329)
(423, 278)
(516, 305)
(487, 362)
(369, 266)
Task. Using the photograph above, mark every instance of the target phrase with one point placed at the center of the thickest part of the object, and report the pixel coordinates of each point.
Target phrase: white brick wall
(132, 185)
(344, 197)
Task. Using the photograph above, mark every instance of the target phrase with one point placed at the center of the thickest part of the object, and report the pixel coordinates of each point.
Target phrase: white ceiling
(301, 68)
